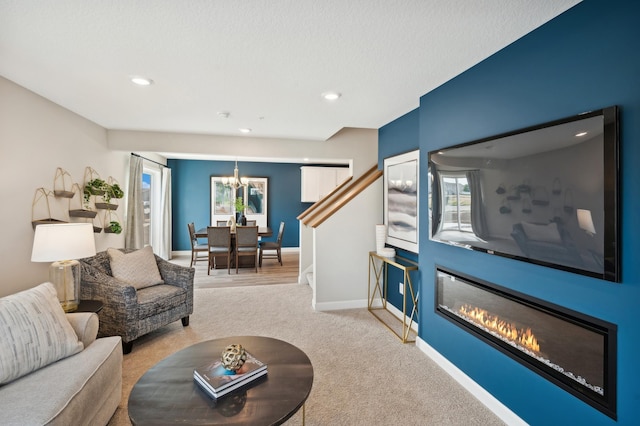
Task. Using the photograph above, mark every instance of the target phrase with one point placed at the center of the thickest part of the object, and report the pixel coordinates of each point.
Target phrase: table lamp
(585, 221)
(62, 244)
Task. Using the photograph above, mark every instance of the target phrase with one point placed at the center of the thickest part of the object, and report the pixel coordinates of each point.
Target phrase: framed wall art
(401, 189)
(254, 196)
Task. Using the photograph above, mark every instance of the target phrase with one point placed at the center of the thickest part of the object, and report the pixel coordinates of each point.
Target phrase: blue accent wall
(398, 137)
(192, 195)
(587, 58)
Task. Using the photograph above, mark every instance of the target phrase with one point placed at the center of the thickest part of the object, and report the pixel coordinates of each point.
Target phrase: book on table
(218, 381)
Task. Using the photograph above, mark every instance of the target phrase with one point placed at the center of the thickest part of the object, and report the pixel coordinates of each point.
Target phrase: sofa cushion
(34, 332)
(138, 268)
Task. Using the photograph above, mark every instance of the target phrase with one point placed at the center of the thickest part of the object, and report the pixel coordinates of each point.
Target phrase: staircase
(336, 235)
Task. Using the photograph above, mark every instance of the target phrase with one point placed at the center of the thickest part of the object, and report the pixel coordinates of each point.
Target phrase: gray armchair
(132, 313)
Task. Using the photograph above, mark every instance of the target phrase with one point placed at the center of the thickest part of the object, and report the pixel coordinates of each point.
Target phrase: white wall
(36, 137)
(358, 147)
(341, 251)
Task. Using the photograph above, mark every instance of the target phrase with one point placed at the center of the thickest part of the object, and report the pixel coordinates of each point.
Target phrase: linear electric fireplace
(575, 351)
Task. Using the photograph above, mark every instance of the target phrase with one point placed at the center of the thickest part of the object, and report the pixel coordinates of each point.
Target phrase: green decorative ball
(233, 357)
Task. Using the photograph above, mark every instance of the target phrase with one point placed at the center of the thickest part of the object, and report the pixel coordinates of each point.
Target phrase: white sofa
(82, 389)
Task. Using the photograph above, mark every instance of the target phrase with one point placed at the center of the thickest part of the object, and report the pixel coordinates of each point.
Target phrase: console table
(380, 265)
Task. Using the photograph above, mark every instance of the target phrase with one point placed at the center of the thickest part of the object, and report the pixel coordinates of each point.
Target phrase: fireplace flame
(509, 331)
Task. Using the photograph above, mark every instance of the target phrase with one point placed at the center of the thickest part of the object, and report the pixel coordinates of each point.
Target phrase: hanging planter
(60, 180)
(96, 229)
(81, 211)
(505, 208)
(106, 206)
(113, 228)
(540, 197)
(514, 194)
(107, 190)
(525, 186)
(111, 223)
(40, 195)
(526, 206)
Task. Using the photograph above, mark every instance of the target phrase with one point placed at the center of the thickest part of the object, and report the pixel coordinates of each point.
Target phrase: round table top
(168, 394)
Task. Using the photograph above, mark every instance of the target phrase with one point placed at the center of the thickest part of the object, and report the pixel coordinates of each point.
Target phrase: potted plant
(113, 228)
(239, 207)
(105, 190)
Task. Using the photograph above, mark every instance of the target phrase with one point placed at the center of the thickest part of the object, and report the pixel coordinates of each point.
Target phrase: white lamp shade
(585, 221)
(65, 241)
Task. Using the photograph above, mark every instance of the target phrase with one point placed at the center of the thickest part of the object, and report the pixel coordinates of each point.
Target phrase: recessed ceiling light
(245, 130)
(331, 96)
(581, 134)
(223, 114)
(141, 81)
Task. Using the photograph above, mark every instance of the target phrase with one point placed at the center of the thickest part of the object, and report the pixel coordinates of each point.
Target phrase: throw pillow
(138, 268)
(34, 332)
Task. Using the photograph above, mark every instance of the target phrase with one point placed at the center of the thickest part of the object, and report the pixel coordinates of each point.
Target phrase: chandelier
(235, 182)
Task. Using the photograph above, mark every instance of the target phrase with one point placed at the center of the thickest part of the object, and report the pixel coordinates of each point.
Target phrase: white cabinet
(319, 181)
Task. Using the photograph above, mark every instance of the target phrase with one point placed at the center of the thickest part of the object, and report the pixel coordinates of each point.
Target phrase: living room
(582, 60)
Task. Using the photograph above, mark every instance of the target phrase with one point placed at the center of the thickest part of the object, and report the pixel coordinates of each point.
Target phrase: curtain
(134, 233)
(478, 220)
(436, 202)
(163, 247)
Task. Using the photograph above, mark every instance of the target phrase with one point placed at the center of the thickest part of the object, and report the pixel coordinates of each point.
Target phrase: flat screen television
(546, 194)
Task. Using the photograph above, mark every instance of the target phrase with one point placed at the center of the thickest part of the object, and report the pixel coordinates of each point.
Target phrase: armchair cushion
(137, 268)
(159, 298)
(34, 332)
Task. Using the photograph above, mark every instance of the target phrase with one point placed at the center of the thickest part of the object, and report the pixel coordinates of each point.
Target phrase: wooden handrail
(323, 199)
(347, 193)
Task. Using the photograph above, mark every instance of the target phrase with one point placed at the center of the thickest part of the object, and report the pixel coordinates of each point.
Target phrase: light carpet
(363, 374)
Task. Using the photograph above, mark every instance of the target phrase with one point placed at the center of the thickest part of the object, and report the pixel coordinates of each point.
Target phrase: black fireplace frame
(605, 403)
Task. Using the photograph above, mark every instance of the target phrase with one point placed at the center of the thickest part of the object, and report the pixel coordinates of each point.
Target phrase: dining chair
(196, 247)
(219, 245)
(247, 244)
(251, 223)
(273, 245)
(221, 223)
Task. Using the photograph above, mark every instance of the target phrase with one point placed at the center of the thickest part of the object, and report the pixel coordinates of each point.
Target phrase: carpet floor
(363, 375)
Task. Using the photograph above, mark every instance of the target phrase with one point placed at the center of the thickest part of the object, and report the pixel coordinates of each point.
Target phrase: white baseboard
(335, 306)
(499, 409)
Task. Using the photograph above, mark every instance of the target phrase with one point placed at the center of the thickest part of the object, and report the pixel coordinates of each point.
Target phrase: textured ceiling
(264, 62)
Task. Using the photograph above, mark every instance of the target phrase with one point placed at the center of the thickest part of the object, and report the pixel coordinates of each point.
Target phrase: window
(151, 203)
(457, 203)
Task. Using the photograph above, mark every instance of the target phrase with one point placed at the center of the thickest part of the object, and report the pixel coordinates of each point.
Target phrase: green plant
(100, 187)
(93, 187)
(116, 191)
(239, 205)
(115, 227)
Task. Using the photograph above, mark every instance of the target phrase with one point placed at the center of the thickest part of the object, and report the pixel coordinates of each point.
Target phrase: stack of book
(217, 381)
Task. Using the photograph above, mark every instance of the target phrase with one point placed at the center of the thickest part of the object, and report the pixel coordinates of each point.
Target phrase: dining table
(263, 231)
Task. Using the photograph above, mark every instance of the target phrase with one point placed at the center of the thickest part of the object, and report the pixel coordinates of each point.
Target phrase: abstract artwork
(401, 176)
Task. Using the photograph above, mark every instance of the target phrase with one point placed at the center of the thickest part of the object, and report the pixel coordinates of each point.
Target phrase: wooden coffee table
(167, 393)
